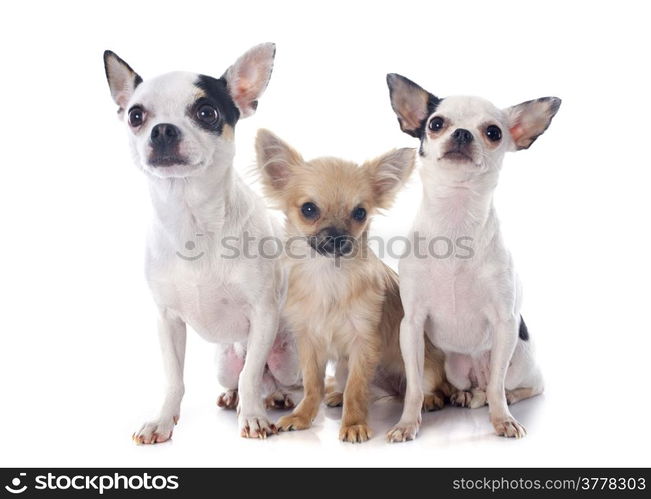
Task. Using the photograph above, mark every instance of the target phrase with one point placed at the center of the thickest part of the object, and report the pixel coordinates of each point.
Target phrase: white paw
(509, 427)
(228, 399)
(256, 426)
(478, 399)
(155, 432)
(403, 432)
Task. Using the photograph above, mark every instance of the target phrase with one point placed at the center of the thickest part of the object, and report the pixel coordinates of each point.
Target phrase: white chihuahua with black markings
(471, 307)
(181, 128)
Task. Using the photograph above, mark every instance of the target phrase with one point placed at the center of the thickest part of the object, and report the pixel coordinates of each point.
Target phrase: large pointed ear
(249, 76)
(389, 172)
(121, 78)
(276, 160)
(528, 121)
(411, 103)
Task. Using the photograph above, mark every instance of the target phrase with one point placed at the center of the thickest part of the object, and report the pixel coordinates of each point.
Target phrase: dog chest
(215, 310)
(457, 304)
(332, 304)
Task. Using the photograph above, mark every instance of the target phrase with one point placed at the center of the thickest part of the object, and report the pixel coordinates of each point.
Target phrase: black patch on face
(523, 331)
(432, 104)
(217, 96)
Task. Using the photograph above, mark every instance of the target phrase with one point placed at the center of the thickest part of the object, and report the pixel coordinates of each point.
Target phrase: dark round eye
(359, 214)
(493, 133)
(310, 210)
(136, 116)
(436, 124)
(207, 114)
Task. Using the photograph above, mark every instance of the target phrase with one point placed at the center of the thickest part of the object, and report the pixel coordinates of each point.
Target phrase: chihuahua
(471, 307)
(343, 303)
(181, 128)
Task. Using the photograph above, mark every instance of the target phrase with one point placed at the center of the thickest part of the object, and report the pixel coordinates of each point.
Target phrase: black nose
(335, 241)
(462, 136)
(164, 135)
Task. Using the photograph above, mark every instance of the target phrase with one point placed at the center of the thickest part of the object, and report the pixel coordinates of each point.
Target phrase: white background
(79, 361)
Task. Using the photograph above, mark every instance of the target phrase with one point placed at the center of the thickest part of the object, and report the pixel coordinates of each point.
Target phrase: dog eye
(136, 116)
(207, 114)
(493, 133)
(359, 214)
(310, 210)
(436, 124)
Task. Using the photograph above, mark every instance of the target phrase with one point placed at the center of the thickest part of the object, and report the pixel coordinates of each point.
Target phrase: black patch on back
(216, 95)
(523, 332)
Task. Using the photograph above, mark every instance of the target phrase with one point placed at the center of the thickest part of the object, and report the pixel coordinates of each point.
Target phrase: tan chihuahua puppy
(343, 303)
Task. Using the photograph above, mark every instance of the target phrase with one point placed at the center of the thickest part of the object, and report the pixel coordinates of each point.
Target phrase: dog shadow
(449, 426)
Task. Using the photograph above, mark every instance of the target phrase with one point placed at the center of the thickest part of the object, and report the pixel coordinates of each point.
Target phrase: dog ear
(121, 78)
(528, 121)
(389, 172)
(249, 76)
(275, 161)
(411, 103)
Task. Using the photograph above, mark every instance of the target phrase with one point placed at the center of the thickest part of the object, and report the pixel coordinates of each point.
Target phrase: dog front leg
(172, 336)
(506, 336)
(362, 363)
(252, 416)
(313, 365)
(412, 345)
